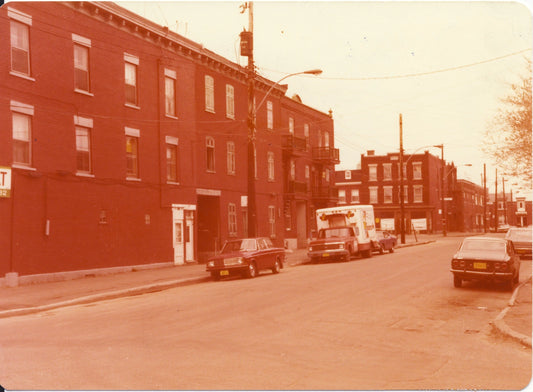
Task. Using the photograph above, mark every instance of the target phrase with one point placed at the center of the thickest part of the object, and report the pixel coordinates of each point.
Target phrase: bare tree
(508, 138)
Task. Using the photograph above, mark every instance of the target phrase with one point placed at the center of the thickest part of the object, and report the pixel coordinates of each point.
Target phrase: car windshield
(246, 244)
(519, 235)
(335, 232)
(484, 245)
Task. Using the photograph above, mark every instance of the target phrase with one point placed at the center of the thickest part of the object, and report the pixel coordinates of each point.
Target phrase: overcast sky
(442, 65)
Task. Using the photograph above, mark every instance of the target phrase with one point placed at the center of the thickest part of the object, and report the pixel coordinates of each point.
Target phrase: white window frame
(372, 172)
(270, 115)
(81, 124)
(133, 134)
(209, 94)
(354, 196)
(210, 154)
(291, 125)
(83, 43)
(230, 101)
(172, 142)
(387, 194)
(232, 219)
(230, 153)
(387, 171)
(27, 111)
(271, 166)
(171, 109)
(417, 170)
(18, 18)
(373, 197)
(342, 196)
(347, 174)
(131, 71)
(418, 193)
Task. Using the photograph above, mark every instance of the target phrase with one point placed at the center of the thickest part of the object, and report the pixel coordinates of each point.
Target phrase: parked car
(333, 243)
(387, 240)
(246, 257)
(503, 228)
(486, 258)
(521, 238)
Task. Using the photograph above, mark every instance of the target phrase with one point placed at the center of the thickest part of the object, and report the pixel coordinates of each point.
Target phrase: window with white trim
(270, 165)
(132, 153)
(387, 171)
(172, 158)
(170, 93)
(373, 172)
(20, 41)
(373, 194)
(342, 196)
(270, 115)
(232, 219)
(292, 170)
(417, 170)
(83, 129)
(355, 196)
(230, 146)
(387, 194)
(230, 101)
(22, 115)
(81, 63)
(307, 137)
(209, 94)
(272, 220)
(347, 174)
(210, 154)
(418, 195)
(291, 125)
(131, 64)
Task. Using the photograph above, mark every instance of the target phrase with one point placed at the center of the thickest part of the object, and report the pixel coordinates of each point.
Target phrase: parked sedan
(486, 258)
(387, 240)
(522, 239)
(246, 257)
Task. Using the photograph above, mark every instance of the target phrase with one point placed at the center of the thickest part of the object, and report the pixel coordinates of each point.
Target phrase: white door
(183, 233)
(189, 235)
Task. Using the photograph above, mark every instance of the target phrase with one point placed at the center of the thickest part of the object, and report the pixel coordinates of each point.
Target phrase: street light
(252, 112)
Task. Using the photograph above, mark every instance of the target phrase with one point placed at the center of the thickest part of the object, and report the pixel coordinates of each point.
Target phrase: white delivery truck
(370, 224)
(347, 216)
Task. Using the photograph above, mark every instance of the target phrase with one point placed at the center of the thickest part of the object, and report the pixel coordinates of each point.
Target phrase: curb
(151, 288)
(499, 325)
(414, 244)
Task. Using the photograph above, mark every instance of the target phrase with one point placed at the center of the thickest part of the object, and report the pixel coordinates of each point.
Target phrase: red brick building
(378, 183)
(126, 143)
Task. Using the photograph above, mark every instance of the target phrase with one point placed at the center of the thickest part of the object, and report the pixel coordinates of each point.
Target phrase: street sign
(5, 181)
(448, 198)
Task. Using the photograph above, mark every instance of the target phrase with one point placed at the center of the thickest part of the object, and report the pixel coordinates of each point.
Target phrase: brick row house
(127, 144)
(377, 182)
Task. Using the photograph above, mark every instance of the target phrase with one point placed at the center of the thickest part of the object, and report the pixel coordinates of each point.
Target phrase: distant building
(468, 207)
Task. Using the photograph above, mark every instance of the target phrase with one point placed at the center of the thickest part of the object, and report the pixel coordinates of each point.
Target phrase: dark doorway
(208, 226)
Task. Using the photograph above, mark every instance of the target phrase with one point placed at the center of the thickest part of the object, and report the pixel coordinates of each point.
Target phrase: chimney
(370, 153)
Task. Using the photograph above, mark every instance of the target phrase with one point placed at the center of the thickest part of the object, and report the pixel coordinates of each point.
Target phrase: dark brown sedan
(486, 258)
(246, 257)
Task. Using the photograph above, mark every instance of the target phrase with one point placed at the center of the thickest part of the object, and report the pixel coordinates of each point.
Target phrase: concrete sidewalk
(514, 321)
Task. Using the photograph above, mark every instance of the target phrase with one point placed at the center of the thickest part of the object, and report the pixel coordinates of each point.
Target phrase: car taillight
(458, 264)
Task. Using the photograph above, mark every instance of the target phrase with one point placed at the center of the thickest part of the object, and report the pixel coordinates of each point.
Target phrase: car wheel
(457, 281)
(277, 267)
(251, 272)
(391, 250)
(381, 250)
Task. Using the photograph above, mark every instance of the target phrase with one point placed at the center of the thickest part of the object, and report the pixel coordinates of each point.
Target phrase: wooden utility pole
(485, 197)
(496, 202)
(402, 213)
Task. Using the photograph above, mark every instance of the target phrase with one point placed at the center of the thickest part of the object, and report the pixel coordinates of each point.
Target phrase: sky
(444, 66)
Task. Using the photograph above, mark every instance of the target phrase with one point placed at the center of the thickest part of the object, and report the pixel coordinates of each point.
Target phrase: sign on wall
(5, 181)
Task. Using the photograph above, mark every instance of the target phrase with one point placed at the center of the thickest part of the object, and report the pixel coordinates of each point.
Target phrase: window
(231, 158)
(232, 219)
(373, 193)
(293, 170)
(209, 94)
(405, 194)
(355, 196)
(326, 139)
(417, 170)
(307, 138)
(342, 196)
(272, 220)
(130, 78)
(230, 101)
(22, 133)
(291, 125)
(172, 159)
(387, 194)
(270, 115)
(372, 172)
(170, 93)
(132, 153)
(326, 175)
(270, 165)
(387, 171)
(83, 127)
(20, 42)
(307, 173)
(81, 63)
(347, 174)
(418, 196)
(210, 154)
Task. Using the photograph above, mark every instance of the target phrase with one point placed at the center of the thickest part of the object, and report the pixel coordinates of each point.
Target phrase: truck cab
(334, 243)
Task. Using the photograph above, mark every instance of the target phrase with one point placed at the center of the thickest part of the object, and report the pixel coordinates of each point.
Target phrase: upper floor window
(231, 158)
(81, 63)
(347, 174)
(326, 139)
(210, 154)
(132, 152)
(387, 171)
(170, 92)
(291, 125)
(22, 133)
(209, 94)
(172, 159)
(270, 165)
(355, 196)
(373, 194)
(372, 172)
(417, 170)
(521, 205)
(130, 77)
(270, 115)
(418, 195)
(83, 128)
(293, 170)
(387, 194)
(306, 135)
(20, 41)
(342, 196)
(230, 101)
(232, 219)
